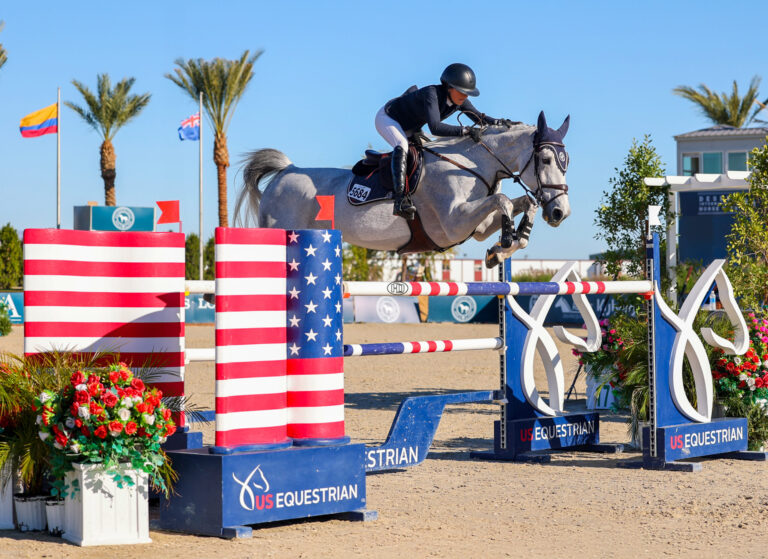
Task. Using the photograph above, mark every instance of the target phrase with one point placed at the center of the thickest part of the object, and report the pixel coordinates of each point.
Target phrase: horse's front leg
(512, 240)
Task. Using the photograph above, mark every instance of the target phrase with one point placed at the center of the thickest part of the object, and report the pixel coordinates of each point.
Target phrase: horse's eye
(546, 160)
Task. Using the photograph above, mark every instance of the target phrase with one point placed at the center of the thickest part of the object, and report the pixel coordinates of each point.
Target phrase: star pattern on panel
(314, 303)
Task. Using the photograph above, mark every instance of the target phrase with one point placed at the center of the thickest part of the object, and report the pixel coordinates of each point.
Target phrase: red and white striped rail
(431, 346)
(397, 288)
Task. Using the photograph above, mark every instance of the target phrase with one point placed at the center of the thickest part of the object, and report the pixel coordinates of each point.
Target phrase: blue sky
(327, 67)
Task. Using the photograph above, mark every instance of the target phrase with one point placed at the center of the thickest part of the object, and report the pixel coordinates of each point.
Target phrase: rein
(535, 196)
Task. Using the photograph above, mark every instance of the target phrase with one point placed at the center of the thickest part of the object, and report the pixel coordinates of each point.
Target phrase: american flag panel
(250, 337)
(315, 344)
(89, 291)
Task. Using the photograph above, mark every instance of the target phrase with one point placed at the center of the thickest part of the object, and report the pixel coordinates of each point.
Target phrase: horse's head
(544, 172)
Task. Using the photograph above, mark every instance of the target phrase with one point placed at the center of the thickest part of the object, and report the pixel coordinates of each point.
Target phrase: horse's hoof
(491, 259)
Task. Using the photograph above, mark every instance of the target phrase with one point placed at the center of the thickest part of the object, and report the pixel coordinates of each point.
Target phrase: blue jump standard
(225, 494)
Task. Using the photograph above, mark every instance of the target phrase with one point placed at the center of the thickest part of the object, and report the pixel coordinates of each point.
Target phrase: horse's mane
(450, 141)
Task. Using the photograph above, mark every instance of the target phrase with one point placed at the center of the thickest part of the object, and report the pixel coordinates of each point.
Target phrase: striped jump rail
(382, 288)
(432, 346)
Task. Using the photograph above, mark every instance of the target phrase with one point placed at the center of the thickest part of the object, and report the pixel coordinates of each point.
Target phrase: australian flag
(190, 128)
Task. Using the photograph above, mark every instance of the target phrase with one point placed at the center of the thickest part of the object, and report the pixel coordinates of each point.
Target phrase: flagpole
(58, 159)
(201, 184)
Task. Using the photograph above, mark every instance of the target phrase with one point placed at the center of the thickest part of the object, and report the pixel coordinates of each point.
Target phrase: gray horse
(459, 195)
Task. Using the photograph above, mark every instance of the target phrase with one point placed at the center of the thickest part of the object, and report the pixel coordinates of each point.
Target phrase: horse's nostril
(557, 215)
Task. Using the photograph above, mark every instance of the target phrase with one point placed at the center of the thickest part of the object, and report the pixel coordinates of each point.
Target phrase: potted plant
(603, 370)
(104, 432)
(741, 382)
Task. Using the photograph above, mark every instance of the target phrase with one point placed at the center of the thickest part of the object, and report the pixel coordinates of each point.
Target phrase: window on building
(713, 162)
(737, 161)
(691, 164)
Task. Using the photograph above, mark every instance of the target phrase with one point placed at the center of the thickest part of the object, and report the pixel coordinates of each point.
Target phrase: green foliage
(192, 258)
(360, 264)
(748, 239)
(109, 108)
(722, 108)
(11, 258)
(222, 82)
(3, 53)
(621, 217)
(5, 321)
(533, 275)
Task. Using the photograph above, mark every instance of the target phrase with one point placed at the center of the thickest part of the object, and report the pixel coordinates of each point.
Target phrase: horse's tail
(258, 164)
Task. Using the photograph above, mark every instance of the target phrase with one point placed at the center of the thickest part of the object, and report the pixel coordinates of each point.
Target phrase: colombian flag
(44, 121)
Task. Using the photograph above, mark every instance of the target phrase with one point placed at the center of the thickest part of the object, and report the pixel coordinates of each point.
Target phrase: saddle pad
(377, 184)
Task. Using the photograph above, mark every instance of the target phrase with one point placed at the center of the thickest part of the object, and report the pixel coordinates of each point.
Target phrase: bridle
(536, 196)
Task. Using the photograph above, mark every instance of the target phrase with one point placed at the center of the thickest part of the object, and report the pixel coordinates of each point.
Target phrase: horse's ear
(563, 130)
(542, 123)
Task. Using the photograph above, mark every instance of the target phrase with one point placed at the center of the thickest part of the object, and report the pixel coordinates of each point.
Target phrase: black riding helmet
(461, 78)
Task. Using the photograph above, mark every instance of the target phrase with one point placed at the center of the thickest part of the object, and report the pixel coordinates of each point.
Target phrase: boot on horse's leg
(403, 206)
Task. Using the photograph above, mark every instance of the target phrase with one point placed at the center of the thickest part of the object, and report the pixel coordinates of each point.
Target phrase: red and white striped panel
(250, 337)
(91, 291)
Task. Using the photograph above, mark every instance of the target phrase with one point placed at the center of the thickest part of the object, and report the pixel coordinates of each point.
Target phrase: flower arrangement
(741, 382)
(604, 364)
(106, 416)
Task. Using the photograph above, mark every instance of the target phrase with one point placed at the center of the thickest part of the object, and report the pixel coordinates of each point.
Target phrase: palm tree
(106, 112)
(3, 55)
(722, 108)
(222, 82)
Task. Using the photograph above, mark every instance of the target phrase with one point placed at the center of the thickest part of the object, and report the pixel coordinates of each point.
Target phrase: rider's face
(457, 97)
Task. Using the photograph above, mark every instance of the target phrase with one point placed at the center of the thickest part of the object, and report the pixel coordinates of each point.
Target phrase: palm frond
(731, 109)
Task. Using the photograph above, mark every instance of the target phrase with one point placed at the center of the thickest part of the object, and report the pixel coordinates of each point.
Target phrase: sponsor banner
(691, 440)
(386, 309)
(547, 433)
(14, 305)
(108, 218)
(198, 310)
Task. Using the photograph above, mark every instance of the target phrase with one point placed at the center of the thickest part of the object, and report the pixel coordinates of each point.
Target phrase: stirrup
(408, 212)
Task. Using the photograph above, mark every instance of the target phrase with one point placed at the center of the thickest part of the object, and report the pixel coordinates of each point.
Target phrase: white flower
(742, 376)
(81, 387)
(44, 397)
(39, 419)
(83, 412)
(75, 447)
(127, 402)
(114, 433)
(70, 422)
(751, 382)
(137, 399)
(765, 364)
(149, 419)
(43, 435)
(163, 439)
(57, 446)
(124, 414)
(737, 360)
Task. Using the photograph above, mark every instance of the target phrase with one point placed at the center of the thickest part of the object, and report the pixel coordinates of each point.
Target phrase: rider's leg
(393, 133)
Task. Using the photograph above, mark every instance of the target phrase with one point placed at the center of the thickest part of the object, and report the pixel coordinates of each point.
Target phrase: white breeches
(390, 130)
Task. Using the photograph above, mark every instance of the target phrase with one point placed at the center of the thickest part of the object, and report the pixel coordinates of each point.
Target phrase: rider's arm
(474, 115)
(437, 127)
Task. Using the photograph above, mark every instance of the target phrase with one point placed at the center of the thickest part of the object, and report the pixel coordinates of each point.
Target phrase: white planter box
(54, 516)
(6, 500)
(100, 513)
(30, 512)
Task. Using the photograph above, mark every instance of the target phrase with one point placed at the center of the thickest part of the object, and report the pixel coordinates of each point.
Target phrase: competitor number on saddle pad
(359, 192)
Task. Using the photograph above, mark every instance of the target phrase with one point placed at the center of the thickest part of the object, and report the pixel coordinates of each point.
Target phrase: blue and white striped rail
(382, 288)
(432, 346)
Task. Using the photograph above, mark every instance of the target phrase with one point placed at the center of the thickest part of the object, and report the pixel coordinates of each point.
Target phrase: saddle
(372, 182)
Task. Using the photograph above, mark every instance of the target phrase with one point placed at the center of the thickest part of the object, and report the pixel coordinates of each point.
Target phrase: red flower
(141, 408)
(77, 378)
(115, 426)
(114, 377)
(142, 432)
(101, 432)
(137, 384)
(109, 399)
(95, 408)
(78, 423)
(125, 375)
(82, 397)
(93, 379)
(95, 388)
(170, 430)
(73, 408)
(166, 414)
(130, 427)
(84, 430)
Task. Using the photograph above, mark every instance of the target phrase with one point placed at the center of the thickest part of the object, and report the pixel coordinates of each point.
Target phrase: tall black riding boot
(403, 206)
